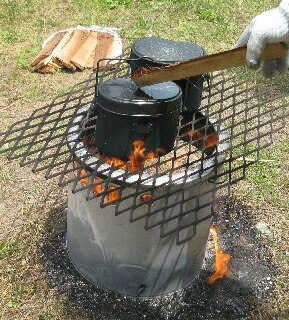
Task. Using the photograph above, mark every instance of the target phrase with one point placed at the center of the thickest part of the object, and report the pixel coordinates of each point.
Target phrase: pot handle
(141, 128)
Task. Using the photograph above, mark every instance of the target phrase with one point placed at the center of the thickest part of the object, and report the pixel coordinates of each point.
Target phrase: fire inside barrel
(146, 198)
(135, 161)
(98, 188)
(84, 179)
(113, 195)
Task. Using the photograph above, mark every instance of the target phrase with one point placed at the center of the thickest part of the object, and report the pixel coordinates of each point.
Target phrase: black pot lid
(121, 95)
(159, 50)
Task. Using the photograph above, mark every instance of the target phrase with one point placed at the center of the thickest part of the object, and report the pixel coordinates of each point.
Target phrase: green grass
(269, 178)
(215, 25)
(8, 248)
(24, 25)
(16, 297)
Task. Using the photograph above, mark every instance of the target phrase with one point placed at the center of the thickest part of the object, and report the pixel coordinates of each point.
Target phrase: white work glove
(269, 27)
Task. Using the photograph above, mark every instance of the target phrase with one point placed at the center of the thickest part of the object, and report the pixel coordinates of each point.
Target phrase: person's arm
(269, 27)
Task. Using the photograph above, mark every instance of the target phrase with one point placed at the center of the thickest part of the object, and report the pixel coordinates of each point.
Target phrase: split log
(90, 62)
(48, 69)
(71, 47)
(48, 49)
(104, 41)
(81, 56)
(52, 62)
(51, 58)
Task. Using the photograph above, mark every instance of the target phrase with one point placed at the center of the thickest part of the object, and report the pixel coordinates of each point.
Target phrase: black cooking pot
(159, 52)
(126, 114)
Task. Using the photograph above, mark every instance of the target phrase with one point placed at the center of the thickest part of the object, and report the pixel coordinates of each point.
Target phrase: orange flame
(116, 162)
(146, 197)
(212, 140)
(86, 141)
(84, 179)
(136, 158)
(112, 195)
(195, 135)
(98, 188)
(222, 259)
(138, 155)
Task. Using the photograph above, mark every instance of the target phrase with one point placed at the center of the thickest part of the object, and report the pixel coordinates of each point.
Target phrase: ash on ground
(249, 279)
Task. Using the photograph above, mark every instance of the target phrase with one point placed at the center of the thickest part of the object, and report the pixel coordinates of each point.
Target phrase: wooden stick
(215, 62)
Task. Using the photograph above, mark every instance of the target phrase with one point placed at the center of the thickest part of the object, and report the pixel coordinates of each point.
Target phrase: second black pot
(160, 52)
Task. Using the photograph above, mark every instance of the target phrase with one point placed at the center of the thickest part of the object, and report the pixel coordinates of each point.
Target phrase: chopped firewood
(113, 48)
(52, 62)
(48, 69)
(77, 48)
(48, 60)
(51, 67)
(104, 41)
(90, 61)
(81, 56)
(71, 47)
(107, 48)
(47, 50)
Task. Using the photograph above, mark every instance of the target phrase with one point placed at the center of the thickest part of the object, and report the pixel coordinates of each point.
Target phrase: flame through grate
(176, 191)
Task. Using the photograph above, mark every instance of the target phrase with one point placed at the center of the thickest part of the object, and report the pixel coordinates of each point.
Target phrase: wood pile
(77, 49)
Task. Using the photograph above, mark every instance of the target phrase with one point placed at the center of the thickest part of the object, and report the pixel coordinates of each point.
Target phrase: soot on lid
(159, 49)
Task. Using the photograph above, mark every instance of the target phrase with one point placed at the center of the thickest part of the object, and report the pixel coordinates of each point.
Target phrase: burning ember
(112, 161)
(195, 135)
(146, 197)
(113, 194)
(138, 157)
(98, 188)
(84, 180)
(222, 259)
(209, 141)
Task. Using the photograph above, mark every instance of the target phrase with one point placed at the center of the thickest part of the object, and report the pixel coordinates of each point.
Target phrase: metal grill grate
(176, 191)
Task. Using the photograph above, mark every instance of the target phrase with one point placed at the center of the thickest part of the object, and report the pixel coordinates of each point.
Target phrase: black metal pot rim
(130, 99)
(136, 53)
(77, 147)
(140, 115)
(146, 115)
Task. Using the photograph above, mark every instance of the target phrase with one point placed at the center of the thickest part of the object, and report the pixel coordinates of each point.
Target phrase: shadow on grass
(232, 297)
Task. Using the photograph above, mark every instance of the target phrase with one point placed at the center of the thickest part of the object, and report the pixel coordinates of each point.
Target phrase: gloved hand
(269, 27)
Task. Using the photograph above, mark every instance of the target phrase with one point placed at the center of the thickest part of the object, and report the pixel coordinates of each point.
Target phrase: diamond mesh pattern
(176, 191)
